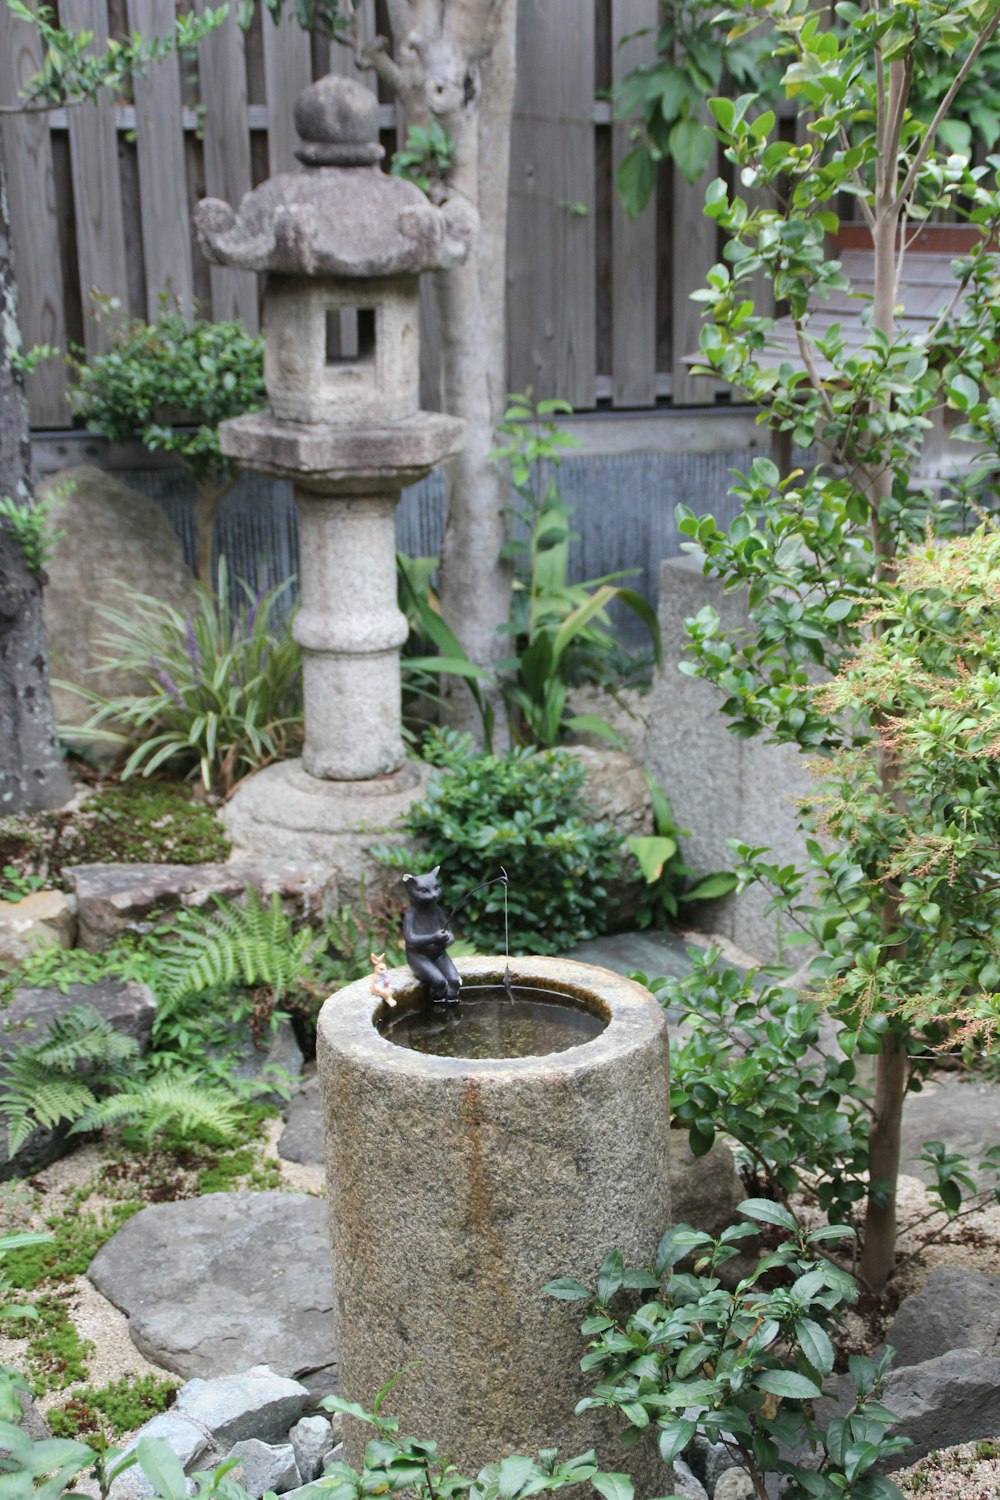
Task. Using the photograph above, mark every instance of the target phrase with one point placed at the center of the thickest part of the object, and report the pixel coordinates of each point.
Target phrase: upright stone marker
(343, 245)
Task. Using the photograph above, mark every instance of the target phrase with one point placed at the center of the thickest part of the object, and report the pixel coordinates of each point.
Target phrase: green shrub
(526, 812)
(743, 1367)
(223, 687)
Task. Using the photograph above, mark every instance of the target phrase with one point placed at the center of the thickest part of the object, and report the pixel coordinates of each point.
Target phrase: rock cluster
(263, 1420)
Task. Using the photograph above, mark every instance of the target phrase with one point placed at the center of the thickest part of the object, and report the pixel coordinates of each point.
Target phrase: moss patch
(56, 1355)
(76, 1239)
(118, 1407)
(137, 822)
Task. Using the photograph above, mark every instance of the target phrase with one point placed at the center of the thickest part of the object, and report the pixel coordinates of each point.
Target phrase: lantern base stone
(284, 813)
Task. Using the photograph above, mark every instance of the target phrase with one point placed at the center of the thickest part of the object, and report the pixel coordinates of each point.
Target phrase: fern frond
(248, 944)
(32, 1095)
(159, 1102)
(81, 1034)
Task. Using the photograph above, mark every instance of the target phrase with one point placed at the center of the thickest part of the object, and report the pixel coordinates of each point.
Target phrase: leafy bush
(31, 527)
(172, 382)
(560, 632)
(525, 811)
(223, 687)
(742, 1367)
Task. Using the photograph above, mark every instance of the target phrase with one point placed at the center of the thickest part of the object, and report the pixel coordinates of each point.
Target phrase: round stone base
(285, 813)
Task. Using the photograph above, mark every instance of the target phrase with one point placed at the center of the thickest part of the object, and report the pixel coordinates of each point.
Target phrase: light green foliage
(816, 550)
(427, 156)
(927, 679)
(236, 946)
(32, 528)
(43, 1085)
(198, 372)
(9, 1244)
(120, 1406)
(666, 98)
(527, 812)
(56, 1355)
(223, 687)
(742, 1366)
(15, 886)
(668, 880)
(74, 71)
(560, 631)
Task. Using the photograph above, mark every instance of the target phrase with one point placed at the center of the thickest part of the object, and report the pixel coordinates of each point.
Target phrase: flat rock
(45, 919)
(108, 538)
(265, 1466)
(302, 1138)
(279, 1060)
(127, 1005)
(705, 1191)
(116, 898)
(964, 1113)
(957, 1309)
(212, 1284)
(939, 1403)
(257, 1403)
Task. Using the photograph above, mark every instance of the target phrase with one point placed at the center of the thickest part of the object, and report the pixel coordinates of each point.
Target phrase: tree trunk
(878, 1256)
(32, 774)
(455, 62)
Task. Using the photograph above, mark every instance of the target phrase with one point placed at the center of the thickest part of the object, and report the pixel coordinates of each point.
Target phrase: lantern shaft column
(350, 631)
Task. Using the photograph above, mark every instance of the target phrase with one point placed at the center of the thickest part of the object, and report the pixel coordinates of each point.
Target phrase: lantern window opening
(350, 335)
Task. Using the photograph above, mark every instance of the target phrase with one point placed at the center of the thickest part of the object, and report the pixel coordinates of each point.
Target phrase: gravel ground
(954, 1474)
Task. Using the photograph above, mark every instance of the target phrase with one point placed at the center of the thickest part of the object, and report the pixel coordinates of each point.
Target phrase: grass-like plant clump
(119, 1407)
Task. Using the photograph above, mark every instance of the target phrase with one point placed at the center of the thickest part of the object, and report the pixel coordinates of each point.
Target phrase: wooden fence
(100, 198)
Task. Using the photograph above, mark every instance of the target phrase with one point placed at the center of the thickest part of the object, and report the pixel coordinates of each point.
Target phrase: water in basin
(486, 1022)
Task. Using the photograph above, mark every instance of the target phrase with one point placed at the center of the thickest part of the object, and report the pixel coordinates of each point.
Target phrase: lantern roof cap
(341, 215)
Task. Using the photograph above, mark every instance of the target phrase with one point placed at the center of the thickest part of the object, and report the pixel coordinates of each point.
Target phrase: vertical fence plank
(694, 252)
(633, 241)
(93, 145)
(287, 71)
(552, 332)
(222, 69)
(163, 199)
(27, 151)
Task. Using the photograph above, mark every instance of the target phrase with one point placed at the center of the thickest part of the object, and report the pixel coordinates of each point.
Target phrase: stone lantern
(346, 429)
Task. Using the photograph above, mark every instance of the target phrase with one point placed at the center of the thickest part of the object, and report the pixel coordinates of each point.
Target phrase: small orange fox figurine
(380, 979)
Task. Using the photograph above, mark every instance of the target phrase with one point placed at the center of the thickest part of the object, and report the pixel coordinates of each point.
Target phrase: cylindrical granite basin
(458, 1187)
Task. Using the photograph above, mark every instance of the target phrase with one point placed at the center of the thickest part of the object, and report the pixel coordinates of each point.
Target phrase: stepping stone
(212, 1285)
(302, 1138)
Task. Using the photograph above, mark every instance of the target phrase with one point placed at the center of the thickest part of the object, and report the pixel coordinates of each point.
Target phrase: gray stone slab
(962, 1112)
(212, 1285)
(265, 1466)
(128, 1006)
(302, 1138)
(257, 1403)
(956, 1309)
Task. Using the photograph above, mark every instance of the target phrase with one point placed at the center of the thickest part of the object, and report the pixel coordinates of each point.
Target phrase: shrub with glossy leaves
(526, 812)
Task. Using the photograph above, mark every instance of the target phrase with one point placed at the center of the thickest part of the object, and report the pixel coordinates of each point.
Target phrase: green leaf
(565, 1289)
(651, 854)
(712, 886)
(613, 1486)
(636, 180)
(767, 1212)
(513, 1475)
(162, 1468)
(609, 1277)
(692, 146)
(788, 1383)
(815, 1344)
